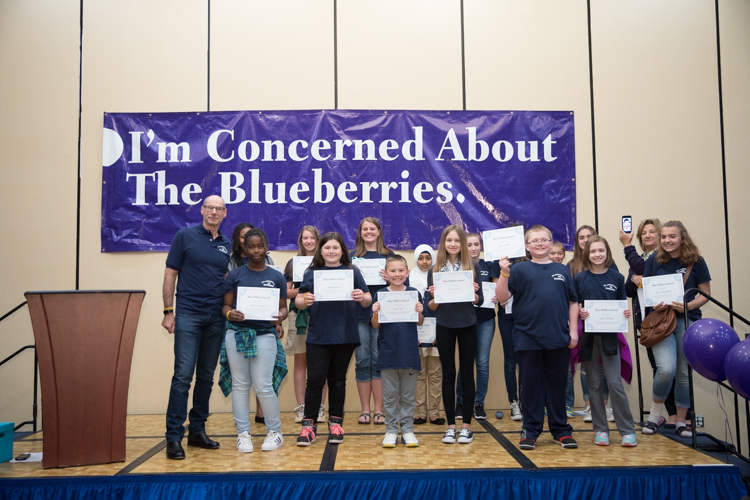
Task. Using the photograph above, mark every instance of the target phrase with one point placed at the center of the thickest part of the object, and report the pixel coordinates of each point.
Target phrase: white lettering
(135, 147)
(281, 189)
(140, 187)
(443, 190)
(420, 189)
(385, 191)
(344, 188)
(340, 143)
(231, 191)
(484, 149)
(268, 151)
(190, 190)
(370, 149)
(385, 146)
(211, 145)
(417, 143)
(454, 146)
(254, 151)
(548, 142)
(497, 151)
(318, 184)
(254, 186)
(533, 149)
(174, 152)
(319, 145)
(293, 150)
(299, 187)
(162, 187)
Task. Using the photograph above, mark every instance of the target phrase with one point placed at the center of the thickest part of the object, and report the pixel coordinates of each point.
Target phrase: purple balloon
(706, 344)
(737, 367)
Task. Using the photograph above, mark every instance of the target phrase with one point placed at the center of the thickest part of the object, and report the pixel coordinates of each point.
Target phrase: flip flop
(366, 416)
(379, 419)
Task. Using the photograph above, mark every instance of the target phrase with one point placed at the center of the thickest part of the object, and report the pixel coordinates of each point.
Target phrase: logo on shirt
(558, 277)
(268, 283)
(610, 287)
(222, 249)
(682, 271)
(485, 273)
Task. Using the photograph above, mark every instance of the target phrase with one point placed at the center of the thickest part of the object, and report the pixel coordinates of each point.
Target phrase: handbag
(658, 325)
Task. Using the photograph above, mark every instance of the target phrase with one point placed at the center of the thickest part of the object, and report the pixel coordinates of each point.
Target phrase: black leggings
(467, 350)
(327, 362)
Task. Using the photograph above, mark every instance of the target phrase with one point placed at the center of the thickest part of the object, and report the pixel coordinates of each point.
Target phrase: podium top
(49, 292)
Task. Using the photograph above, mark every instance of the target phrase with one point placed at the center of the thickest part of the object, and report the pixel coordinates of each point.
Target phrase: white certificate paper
(333, 285)
(278, 268)
(667, 288)
(509, 306)
(454, 287)
(426, 332)
(488, 289)
(398, 307)
(299, 264)
(370, 269)
(606, 316)
(258, 303)
(508, 242)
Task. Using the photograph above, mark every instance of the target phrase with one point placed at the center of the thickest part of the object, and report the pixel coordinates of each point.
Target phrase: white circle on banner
(112, 147)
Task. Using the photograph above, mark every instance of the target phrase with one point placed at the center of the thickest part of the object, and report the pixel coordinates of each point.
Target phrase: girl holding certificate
(677, 254)
(369, 245)
(252, 353)
(599, 281)
(297, 330)
(332, 334)
(456, 322)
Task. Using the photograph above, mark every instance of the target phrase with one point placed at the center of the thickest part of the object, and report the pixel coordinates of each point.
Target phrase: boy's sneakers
(389, 441)
(569, 412)
(300, 413)
(601, 439)
(479, 413)
(515, 411)
(566, 442)
(587, 416)
(459, 412)
(336, 432)
(450, 436)
(322, 414)
(527, 444)
(628, 440)
(610, 415)
(307, 434)
(465, 436)
(409, 439)
(244, 444)
(273, 441)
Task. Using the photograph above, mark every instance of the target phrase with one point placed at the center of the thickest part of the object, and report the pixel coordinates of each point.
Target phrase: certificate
(606, 316)
(278, 268)
(508, 242)
(398, 307)
(454, 287)
(299, 264)
(333, 285)
(258, 303)
(426, 332)
(488, 289)
(509, 306)
(666, 288)
(370, 269)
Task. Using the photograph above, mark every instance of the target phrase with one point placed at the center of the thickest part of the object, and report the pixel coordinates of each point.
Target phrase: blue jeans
(257, 372)
(485, 333)
(366, 354)
(197, 343)
(671, 364)
(509, 355)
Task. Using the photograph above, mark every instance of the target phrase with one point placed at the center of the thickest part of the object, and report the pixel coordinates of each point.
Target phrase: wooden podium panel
(84, 341)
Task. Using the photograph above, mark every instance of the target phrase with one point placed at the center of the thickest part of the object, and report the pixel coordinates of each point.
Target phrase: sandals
(685, 431)
(379, 419)
(650, 428)
(366, 417)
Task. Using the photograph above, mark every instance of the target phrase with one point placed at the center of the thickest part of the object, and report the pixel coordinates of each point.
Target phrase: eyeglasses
(537, 242)
(209, 208)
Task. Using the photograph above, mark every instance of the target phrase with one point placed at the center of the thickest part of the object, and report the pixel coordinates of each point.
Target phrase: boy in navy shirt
(545, 328)
(398, 359)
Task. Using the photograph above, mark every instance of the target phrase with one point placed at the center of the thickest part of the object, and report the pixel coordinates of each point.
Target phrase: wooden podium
(84, 341)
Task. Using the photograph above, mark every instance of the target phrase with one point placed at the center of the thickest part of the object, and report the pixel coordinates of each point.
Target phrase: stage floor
(495, 446)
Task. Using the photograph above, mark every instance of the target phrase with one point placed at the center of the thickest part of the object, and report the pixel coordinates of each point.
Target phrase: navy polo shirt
(489, 270)
(201, 262)
(542, 294)
(398, 343)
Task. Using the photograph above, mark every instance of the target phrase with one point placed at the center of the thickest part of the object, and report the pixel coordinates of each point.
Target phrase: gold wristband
(504, 275)
(229, 311)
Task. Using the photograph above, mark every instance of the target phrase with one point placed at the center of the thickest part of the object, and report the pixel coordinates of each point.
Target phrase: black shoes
(175, 451)
(200, 440)
(420, 421)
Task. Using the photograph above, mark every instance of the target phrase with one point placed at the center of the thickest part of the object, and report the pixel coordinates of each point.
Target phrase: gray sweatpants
(399, 399)
(617, 396)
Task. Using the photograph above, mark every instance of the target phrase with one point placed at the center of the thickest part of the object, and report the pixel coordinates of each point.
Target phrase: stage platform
(491, 467)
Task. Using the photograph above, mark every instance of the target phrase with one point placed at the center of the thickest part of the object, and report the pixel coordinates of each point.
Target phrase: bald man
(199, 257)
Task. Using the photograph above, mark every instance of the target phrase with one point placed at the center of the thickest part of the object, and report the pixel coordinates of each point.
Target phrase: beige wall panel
(399, 55)
(39, 171)
(272, 55)
(735, 68)
(138, 56)
(657, 136)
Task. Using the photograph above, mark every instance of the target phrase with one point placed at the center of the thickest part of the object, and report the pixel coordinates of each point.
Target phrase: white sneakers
(244, 444)
(300, 413)
(515, 411)
(389, 441)
(273, 441)
(587, 416)
(409, 439)
(465, 436)
(321, 414)
(610, 414)
(450, 435)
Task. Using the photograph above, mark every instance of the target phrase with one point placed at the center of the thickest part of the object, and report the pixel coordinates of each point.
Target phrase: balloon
(737, 367)
(706, 344)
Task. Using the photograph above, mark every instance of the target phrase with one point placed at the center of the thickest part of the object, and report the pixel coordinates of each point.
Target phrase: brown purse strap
(686, 275)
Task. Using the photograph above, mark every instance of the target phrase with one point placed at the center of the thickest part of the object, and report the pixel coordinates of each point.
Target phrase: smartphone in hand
(627, 224)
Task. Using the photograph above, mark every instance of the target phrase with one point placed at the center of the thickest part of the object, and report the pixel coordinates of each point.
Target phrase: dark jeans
(197, 344)
(544, 377)
(467, 349)
(509, 356)
(327, 362)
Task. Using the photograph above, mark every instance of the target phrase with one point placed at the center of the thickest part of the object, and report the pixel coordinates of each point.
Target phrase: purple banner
(416, 171)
